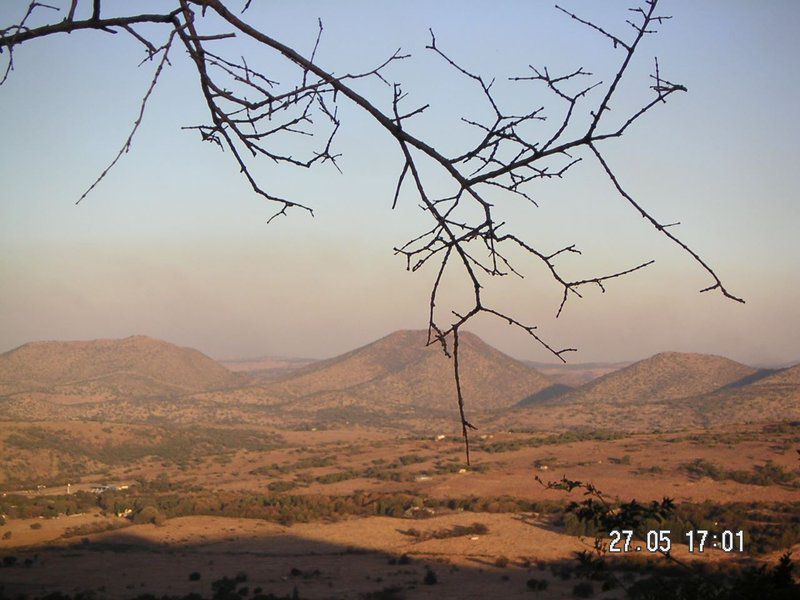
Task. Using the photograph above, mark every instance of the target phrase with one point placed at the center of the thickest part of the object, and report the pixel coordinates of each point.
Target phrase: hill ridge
(401, 369)
(106, 368)
(668, 375)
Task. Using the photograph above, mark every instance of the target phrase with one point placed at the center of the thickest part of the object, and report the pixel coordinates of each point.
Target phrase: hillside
(400, 370)
(98, 370)
(787, 377)
(775, 396)
(665, 392)
(665, 376)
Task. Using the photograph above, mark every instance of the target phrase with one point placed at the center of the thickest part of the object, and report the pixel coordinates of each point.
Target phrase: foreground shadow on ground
(121, 564)
(124, 565)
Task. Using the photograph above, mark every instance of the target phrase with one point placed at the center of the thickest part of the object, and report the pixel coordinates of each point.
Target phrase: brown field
(640, 466)
(349, 557)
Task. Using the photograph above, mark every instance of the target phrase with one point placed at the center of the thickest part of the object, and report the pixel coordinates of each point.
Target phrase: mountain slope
(665, 376)
(103, 369)
(400, 370)
(666, 392)
(774, 397)
(788, 377)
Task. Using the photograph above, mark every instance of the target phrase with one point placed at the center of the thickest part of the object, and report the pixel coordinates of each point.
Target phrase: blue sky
(173, 243)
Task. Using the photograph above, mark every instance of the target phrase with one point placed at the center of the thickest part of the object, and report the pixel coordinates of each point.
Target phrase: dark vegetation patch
(96, 527)
(155, 500)
(447, 532)
(568, 437)
(765, 475)
(179, 445)
(310, 462)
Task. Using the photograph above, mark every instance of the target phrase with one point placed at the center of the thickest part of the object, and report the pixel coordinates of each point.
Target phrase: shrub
(89, 528)
(441, 534)
(149, 514)
(583, 589)
(194, 576)
(36, 525)
(387, 593)
(537, 585)
(764, 475)
(411, 459)
(295, 572)
(337, 476)
(281, 486)
(7, 535)
(430, 578)
(501, 562)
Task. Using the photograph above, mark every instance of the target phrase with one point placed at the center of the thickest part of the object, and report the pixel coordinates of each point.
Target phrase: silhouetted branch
(127, 145)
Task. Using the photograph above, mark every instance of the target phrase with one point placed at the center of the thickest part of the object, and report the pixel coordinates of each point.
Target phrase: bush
(501, 562)
(149, 514)
(36, 525)
(95, 527)
(7, 535)
(764, 475)
(583, 590)
(430, 578)
(281, 486)
(394, 592)
(337, 476)
(537, 585)
(411, 459)
(195, 576)
(451, 532)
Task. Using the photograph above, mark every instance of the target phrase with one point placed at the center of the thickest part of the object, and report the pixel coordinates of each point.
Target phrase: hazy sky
(173, 244)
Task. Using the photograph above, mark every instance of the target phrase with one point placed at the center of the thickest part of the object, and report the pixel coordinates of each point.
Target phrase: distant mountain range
(395, 381)
(265, 367)
(575, 374)
(670, 390)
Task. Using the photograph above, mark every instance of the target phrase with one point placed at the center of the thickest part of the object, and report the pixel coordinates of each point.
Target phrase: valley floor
(312, 498)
